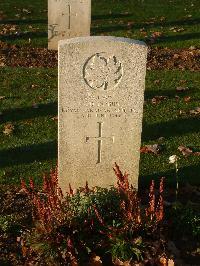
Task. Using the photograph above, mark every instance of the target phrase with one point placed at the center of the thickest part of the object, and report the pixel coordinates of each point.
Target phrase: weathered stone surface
(67, 19)
(101, 91)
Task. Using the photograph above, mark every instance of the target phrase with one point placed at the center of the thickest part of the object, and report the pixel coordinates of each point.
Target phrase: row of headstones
(101, 91)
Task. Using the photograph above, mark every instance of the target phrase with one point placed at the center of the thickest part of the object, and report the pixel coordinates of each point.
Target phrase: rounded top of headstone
(101, 38)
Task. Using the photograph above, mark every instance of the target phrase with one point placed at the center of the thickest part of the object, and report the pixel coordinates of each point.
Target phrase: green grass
(30, 100)
(164, 120)
(32, 147)
(112, 17)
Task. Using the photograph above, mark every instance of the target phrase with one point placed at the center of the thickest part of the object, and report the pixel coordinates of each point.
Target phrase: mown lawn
(30, 105)
(176, 22)
(28, 97)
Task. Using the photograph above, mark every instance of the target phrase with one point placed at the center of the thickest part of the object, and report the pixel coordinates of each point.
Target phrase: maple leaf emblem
(102, 72)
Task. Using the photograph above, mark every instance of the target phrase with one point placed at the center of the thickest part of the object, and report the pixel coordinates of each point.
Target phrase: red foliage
(100, 219)
(156, 213)
(31, 184)
(160, 206)
(87, 190)
(122, 182)
(130, 203)
(23, 186)
(71, 192)
(51, 210)
(48, 203)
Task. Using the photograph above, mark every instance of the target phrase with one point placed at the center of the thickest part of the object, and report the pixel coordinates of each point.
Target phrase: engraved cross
(69, 15)
(99, 139)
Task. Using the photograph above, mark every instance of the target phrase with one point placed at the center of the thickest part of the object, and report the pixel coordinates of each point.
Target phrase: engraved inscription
(53, 31)
(102, 72)
(101, 110)
(99, 139)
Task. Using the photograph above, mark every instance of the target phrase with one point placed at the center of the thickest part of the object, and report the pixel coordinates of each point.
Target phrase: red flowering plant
(138, 222)
(51, 213)
(68, 228)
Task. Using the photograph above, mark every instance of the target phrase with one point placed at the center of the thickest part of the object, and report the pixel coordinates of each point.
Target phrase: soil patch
(158, 58)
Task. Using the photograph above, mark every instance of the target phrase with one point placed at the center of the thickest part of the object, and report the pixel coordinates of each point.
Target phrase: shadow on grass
(29, 112)
(150, 23)
(180, 37)
(188, 174)
(28, 154)
(23, 21)
(109, 28)
(111, 16)
(172, 128)
(23, 35)
(146, 25)
(149, 94)
(186, 21)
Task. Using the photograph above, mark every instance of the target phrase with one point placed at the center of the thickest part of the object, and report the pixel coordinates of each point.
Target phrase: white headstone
(101, 94)
(67, 19)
